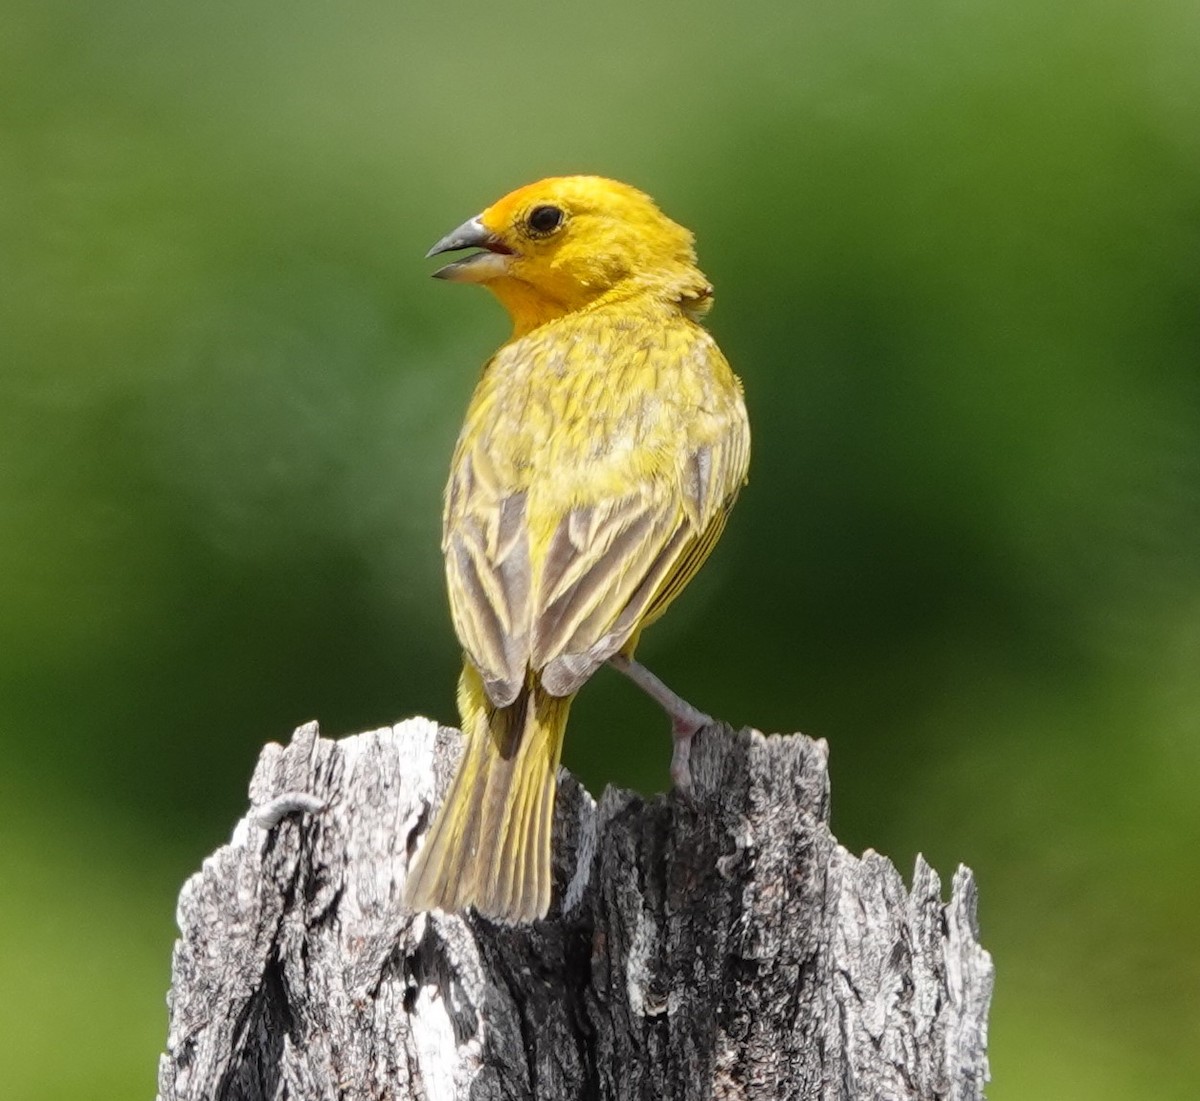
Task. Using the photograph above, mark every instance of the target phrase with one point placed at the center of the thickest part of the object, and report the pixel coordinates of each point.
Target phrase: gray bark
(723, 946)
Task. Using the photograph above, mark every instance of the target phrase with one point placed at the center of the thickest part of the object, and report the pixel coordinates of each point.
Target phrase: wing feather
(487, 570)
(574, 621)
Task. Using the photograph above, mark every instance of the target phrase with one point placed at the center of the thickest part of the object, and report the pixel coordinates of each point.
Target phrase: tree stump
(717, 946)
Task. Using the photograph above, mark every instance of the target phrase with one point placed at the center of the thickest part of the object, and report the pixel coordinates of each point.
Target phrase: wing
(611, 585)
(553, 563)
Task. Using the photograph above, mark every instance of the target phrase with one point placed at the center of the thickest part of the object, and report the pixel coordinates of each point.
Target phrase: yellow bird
(602, 451)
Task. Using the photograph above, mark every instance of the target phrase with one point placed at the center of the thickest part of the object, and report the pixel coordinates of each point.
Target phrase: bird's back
(621, 437)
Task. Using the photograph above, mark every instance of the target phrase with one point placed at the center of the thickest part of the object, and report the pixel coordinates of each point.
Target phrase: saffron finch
(602, 451)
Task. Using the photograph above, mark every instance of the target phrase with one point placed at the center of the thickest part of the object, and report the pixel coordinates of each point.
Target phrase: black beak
(470, 234)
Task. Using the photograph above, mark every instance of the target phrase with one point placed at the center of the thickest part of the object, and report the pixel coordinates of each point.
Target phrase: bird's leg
(685, 719)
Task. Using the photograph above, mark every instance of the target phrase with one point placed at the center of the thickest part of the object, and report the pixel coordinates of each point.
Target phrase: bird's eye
(545, 219)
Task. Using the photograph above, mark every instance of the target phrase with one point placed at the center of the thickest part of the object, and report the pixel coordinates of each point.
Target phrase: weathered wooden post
(724, 946)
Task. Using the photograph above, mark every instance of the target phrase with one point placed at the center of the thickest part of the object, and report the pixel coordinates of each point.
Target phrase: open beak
(479, 267)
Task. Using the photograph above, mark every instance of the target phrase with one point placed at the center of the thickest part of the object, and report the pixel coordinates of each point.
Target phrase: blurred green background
(957, 256)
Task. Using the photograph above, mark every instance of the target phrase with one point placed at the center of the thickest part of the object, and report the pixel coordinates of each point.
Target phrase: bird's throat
(527, 306)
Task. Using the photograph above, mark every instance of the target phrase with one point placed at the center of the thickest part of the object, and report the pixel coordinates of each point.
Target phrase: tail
(489, 845)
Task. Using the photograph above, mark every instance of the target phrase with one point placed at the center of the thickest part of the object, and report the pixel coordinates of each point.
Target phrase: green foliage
(956, 249)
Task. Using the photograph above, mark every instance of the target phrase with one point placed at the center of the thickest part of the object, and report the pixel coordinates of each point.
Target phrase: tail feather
(489, 845)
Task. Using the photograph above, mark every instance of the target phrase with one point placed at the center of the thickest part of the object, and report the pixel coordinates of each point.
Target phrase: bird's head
(560, 244)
